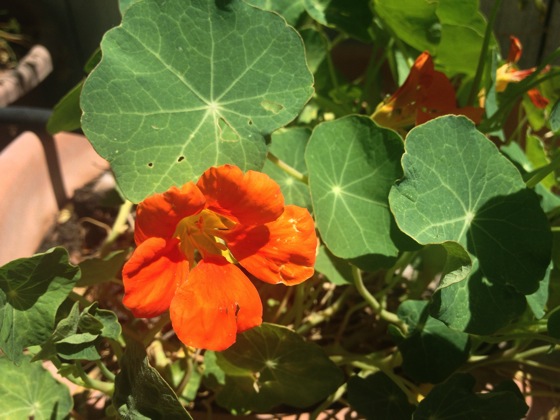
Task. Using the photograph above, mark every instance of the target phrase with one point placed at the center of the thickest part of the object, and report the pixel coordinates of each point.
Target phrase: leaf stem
(89, 382)
(105, 371)
(373, 302)
(543, 171)
(287, 168)
(156, 328)
(119, 226)
(483, 53)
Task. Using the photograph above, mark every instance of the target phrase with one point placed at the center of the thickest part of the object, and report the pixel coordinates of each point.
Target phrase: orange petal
(282, 251)
(399, 110)
(252, 198)
(158, 215)
(515, 50)
(537, 98)
(152, 275)
(216, 303)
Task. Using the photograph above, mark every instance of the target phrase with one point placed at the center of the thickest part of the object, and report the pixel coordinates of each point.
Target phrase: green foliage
(352, 164)
(30, 391)
(141, 392)
(31, 290)
(269, 366)
(204, 92)
(504, 402)
(439, 243)
(377, 396)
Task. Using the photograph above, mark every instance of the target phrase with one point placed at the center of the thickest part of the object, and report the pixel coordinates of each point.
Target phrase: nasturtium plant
(265, 369)
(385, 160)
(209, 80)
(31, 290)
(30, 391)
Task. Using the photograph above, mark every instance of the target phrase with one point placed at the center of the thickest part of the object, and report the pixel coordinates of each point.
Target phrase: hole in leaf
(250, 122)
(180, 159)
(150, 165)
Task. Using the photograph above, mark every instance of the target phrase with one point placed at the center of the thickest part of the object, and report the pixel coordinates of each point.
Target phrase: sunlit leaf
(31, 290)
(183, 86)
(458, 187)
(271, 365)
(28, 391)
(352, 164)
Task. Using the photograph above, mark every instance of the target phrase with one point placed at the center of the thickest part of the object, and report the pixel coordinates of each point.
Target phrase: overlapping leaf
(458, 187)
(352, 164)
(187, 85)
(451, 31)
(140, 391)
(289, 146)
(31, 290)
(455, 396)
(269, 366)
(431, 351)
(28, 391)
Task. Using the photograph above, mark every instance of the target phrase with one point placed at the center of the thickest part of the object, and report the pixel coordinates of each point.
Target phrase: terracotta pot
(39, 175)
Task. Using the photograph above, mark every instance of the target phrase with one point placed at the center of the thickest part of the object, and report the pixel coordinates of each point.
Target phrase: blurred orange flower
(508, 73)
(425, 94)
(188, 239)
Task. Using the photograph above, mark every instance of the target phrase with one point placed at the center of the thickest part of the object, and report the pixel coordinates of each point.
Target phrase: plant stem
(89, 382)
(543, 172)
(483, 54)
(119, 226)
(105, 371)
(287, 168)
(318, 317)
(372, 301)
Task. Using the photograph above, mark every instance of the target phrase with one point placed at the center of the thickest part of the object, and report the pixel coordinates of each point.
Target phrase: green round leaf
(378, 397)
(352, 165)
(28, 391)
(458, 187)
(31, 290)
(271, 365)
(183, 86)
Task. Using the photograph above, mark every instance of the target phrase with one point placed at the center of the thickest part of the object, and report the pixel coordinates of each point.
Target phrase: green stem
(89, 382)
(318, 317)
(543, 172)
(119, 226)
(373, 302)
(473, 95)
(105, 371)
(287, 168)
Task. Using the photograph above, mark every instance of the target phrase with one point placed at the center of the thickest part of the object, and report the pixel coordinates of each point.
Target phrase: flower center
(202, 232)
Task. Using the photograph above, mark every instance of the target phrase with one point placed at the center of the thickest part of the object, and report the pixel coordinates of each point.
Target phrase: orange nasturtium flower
(508, 73)
(188, 240)
(425, 94)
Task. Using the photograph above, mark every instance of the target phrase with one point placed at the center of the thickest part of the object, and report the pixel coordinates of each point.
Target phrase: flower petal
(282, 251)
(216, 303)
(158, 215)
(252, 198)
(152, 275)
(537, 98)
